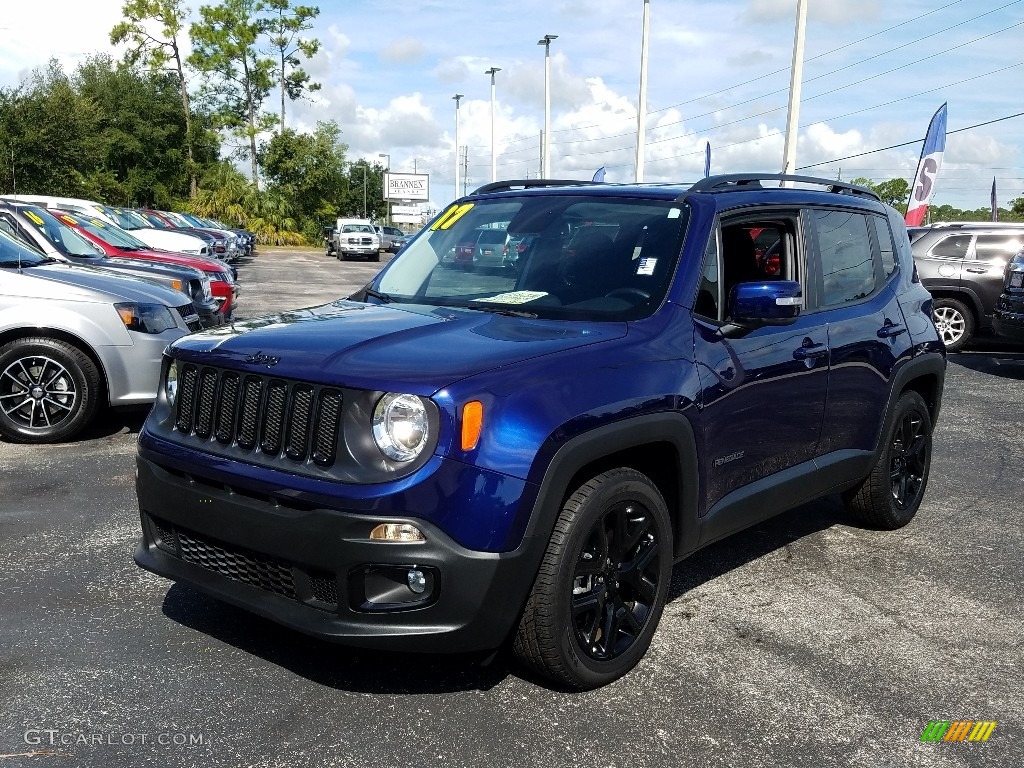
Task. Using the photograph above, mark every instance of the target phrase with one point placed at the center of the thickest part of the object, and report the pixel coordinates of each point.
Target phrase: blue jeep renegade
(461, 456)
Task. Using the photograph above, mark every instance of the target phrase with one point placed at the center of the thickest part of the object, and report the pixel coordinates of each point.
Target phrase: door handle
(976, 270)
(810, 351)
(889, 330)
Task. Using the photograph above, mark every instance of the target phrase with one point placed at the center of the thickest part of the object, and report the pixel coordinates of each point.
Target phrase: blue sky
(874, 74)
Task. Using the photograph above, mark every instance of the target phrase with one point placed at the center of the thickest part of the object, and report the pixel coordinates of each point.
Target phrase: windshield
(14, 252)
(67, 241)
(192, 220)
(107, 233)
(552, 256)
(126, 219)
(154, 220)
(357, 228)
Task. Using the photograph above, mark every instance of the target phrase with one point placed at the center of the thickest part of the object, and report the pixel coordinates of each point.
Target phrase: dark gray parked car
(962, 265)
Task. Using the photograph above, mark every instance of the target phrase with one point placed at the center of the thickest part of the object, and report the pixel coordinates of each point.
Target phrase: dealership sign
(405, 210)
(406, 186)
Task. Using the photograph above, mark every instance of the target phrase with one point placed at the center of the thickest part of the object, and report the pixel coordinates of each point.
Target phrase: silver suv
(962, 265)
(73, 338)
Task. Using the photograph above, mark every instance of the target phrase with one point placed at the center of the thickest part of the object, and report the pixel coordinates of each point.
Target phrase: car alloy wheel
(48, 390)
(909, 455)
(615, 581)
(951, 325)
(602, 584)
(38, 392)
(889, 497)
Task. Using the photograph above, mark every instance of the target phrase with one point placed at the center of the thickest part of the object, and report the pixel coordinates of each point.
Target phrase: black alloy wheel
(615, 582)
(889, 497)
(909, 454)
(602, 584)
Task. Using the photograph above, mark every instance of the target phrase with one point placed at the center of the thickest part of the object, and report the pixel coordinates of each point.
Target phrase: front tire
(889, 497)
(602, 584)
(49, 390)
(954, 322)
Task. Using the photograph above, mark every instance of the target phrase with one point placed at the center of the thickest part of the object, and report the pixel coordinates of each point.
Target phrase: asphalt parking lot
(807, 641)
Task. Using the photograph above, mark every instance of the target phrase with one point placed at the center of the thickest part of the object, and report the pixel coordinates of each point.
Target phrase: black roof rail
(738, 182)
(505, 186)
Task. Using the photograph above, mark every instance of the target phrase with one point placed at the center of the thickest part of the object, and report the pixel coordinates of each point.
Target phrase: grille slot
(255, 413)
(298, 426)
(186, 397)
(248, 423)
(226, 410)
(328, 418)
(204, 410)
(186, 311)
(277, 394)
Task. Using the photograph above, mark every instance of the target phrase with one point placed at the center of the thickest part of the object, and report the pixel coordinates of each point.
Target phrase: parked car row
(968, 267)
(87, 307)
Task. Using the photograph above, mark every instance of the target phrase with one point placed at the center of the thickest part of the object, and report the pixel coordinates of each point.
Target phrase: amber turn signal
(472, 424)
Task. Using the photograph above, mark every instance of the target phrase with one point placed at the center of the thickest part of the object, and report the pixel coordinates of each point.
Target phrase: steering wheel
(636, 295)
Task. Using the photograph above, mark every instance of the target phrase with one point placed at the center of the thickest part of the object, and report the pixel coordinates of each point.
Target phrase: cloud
(408, 50)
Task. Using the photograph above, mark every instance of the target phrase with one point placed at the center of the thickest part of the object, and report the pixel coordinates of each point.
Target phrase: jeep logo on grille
(260, 359)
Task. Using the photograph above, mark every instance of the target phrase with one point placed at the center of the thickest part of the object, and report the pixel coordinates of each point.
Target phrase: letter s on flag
(927, 168)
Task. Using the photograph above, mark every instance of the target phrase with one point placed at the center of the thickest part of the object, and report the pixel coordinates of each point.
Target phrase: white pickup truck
(354, 237)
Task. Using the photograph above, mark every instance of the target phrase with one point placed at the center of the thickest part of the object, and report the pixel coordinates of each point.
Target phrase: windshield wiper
(501, 310)
(377, 295)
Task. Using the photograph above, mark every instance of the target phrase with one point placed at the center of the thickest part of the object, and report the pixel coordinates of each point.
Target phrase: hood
(117, 287)
(169, 239)
(415, 349)
(149, 256)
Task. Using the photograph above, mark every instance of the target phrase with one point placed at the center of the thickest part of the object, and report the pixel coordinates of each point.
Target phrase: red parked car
(115, 243)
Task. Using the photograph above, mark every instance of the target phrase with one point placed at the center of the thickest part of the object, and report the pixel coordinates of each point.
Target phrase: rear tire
(49, 390)
(955, 323)
(889, 497)
(602, 584)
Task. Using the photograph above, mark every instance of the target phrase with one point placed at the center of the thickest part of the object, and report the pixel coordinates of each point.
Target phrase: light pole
(546, 150)
(494, 147)
(458, 98)
(387, 199)
(641, 107)
(795, 80)
(364, 189)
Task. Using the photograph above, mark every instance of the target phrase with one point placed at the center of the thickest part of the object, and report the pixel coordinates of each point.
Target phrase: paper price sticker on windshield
(646, 266)
(515, 297)
(31, 216)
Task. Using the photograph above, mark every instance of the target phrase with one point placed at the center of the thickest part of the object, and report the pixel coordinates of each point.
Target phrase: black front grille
(250, 567)
(186, 311)
(247, 566)
(261, 414)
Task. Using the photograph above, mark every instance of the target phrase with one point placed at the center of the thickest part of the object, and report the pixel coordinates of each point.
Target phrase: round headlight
(171, 383)
(400, 426)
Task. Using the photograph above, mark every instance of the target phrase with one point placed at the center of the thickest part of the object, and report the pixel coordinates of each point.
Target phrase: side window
(708, 294)
(993, 247)
(954, 247)
(885, 245)
(847, 268)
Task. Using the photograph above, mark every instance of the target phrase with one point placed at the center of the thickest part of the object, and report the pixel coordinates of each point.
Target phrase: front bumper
(314, 569)
(1008, 318)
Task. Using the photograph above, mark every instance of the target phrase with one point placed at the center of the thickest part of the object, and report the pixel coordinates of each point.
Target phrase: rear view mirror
(775, 303)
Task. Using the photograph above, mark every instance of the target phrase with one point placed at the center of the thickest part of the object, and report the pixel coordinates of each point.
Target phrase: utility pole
(546, 136)
(494, 145)
(795, 81)
(458, 98)
(641, 108)
(465, 168)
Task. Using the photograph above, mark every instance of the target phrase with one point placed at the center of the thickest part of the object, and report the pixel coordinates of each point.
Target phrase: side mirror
(757, 304)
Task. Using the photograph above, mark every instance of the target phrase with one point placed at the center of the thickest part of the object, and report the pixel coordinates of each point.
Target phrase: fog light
(400, 532)
(417, 581)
